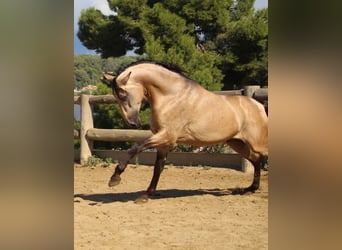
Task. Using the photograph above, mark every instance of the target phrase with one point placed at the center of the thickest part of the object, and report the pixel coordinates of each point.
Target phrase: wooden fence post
(86, 123)
(249, 90)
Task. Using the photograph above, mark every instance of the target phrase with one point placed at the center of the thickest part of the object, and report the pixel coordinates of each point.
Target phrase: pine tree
(220, 43)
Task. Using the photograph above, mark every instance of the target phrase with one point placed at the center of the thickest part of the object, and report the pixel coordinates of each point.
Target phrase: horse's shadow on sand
(161, 194)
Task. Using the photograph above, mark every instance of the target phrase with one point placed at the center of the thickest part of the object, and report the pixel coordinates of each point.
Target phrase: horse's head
(129, 94)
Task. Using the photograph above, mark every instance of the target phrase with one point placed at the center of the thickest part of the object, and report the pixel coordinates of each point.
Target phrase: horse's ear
(125, 79)
(107, 78)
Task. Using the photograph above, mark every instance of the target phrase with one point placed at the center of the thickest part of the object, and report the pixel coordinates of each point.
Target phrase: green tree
(87, 69)
(168, 38)
(244, 47)
(219, 43)
(102, 34)
(81, 78)
(241, 8)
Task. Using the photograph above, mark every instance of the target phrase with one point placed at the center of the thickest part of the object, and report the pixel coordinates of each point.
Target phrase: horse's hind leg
(255, 158)
(162, 153)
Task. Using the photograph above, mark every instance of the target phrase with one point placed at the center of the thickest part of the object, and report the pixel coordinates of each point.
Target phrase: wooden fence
(88, 134)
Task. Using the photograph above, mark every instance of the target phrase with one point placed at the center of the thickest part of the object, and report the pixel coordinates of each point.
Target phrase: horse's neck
(164, 84)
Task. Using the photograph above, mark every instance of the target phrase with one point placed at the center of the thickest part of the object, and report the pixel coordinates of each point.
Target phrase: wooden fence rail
(88, 133)
(114, 135)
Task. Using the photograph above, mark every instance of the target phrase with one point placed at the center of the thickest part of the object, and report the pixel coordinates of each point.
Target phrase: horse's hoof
(114, 180)
(142, 199)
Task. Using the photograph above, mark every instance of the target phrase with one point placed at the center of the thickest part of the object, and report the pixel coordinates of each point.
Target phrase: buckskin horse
(182, 111)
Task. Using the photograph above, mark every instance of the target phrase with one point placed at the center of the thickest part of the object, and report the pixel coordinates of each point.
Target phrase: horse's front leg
(156, 140)
(162, 153)
(115, 179)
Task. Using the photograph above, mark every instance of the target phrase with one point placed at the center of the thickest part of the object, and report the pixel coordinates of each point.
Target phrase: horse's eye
(122, 94)
(119, 92)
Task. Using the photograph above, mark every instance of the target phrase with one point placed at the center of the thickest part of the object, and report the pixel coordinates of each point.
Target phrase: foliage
(102, 34)
(221, 148)
(221, 44)
(247, 41)
(88, 68)
(94, 161)
(77, 126)
(172, 41)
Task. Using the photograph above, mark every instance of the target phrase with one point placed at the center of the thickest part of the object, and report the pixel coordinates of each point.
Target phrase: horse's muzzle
(134, 124)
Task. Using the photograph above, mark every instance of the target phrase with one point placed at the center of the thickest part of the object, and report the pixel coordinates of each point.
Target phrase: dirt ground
(194, 209)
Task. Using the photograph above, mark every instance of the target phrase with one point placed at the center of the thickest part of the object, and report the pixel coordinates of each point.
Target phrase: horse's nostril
(133, 124)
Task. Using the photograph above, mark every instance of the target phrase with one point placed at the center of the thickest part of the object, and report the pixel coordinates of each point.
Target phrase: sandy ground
(194, 210)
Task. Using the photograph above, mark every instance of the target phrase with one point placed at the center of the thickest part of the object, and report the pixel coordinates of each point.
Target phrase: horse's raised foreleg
(115, 179)
(133, 151)
(157, 140)
(162, 153)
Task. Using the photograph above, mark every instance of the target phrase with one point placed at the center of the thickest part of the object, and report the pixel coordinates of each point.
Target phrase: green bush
(94, 161)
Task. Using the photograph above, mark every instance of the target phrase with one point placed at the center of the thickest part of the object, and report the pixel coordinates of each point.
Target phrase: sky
(102, 5)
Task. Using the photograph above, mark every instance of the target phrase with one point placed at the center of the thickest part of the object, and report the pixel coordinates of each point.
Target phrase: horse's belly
(206, 137)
